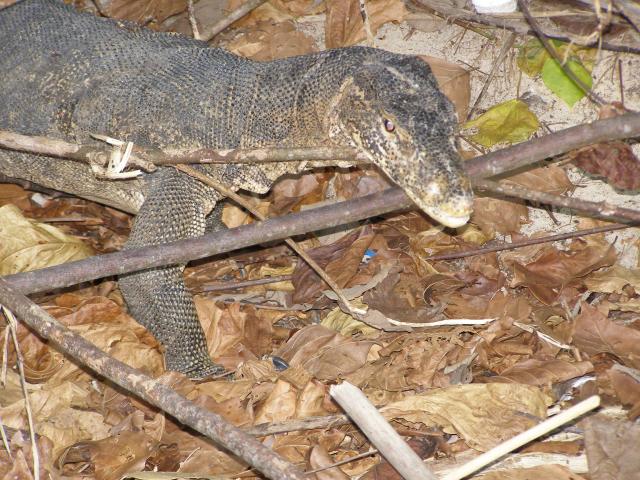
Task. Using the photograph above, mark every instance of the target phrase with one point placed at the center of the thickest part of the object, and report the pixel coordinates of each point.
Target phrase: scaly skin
(66, 75)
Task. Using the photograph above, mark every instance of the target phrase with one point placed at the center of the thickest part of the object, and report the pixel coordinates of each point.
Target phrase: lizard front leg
(175, 208)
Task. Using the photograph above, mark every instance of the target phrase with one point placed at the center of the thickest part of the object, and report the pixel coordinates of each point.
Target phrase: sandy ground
(478, 54)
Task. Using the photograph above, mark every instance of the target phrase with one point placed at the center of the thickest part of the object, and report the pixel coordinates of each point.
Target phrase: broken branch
(185, 411)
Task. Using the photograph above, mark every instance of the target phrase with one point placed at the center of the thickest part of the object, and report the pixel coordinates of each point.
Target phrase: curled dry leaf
(483, 415)
(344, 25)
(549, 179)
(413, 361)
(493, 215)
(542, 373)
(280, 405)
(29, 245)
(59, 413)
(340, 261)
(320, 458)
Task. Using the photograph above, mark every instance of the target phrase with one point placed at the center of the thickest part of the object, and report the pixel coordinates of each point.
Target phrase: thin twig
(594, 97)
(529, 241)
(295, 425)
(532, 151)
(525, 153)
(242, 284)
(183, 251)
(598, 209)
(207, 180)
(506, 46)
(12, 327)
(234, 16)
(623, 126)
(162, 396)
(191, 13)
(344, 462)
(525, 437)
(446, 10)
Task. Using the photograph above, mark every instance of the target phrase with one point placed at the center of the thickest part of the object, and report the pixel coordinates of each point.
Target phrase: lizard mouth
(447, 219)
(453, 211)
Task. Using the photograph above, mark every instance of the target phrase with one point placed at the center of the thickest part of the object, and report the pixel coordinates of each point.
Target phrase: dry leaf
(492, 215)
(483, 415)
(324, 353)
(141, 11)
(453, 80)
(269, 41)
(610, 448)
(542, 373)
(613, 279)
(344, 25)
(595, 333)
(29, 245)
(553, 471)
(114, 456)
(614, 161)
(553, 270)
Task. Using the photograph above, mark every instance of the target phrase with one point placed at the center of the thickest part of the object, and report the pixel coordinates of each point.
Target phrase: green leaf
(28, 245)
(559, 83)
(508, 122)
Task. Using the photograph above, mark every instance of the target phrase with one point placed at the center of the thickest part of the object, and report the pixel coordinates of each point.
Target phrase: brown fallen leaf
(542, 373)
(493, 215)
(269, 41)
(483, 415)
(555, 472)
(613, 279)
(324, 353)
(453, 80)
(29, 245)
(340, 261)
(320, 458)
(595, 333)
(553, 270)
(613, 161)
(111, 457)
(610, 446)
(344, 25)
(141, 11)
(549, 179)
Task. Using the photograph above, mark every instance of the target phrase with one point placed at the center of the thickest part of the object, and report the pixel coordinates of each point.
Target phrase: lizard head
(392, 110)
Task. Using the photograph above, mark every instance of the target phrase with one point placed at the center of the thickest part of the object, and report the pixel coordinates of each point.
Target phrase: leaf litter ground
(563, 317)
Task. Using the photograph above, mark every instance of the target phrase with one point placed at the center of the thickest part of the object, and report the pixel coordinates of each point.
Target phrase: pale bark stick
(382, 435)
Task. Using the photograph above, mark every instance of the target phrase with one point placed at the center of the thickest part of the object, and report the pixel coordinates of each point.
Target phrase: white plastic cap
(495, 6)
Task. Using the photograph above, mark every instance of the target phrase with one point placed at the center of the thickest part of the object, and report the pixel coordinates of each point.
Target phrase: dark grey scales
(65, 75)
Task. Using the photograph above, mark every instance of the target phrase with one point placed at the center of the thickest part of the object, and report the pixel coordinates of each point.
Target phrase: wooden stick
(380, 433)
(234, 16)
(527, 242)
(342, 299)
(185, 411)
(525, 437)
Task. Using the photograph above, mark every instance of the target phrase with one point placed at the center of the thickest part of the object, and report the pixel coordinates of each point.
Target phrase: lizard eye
(389, 126)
